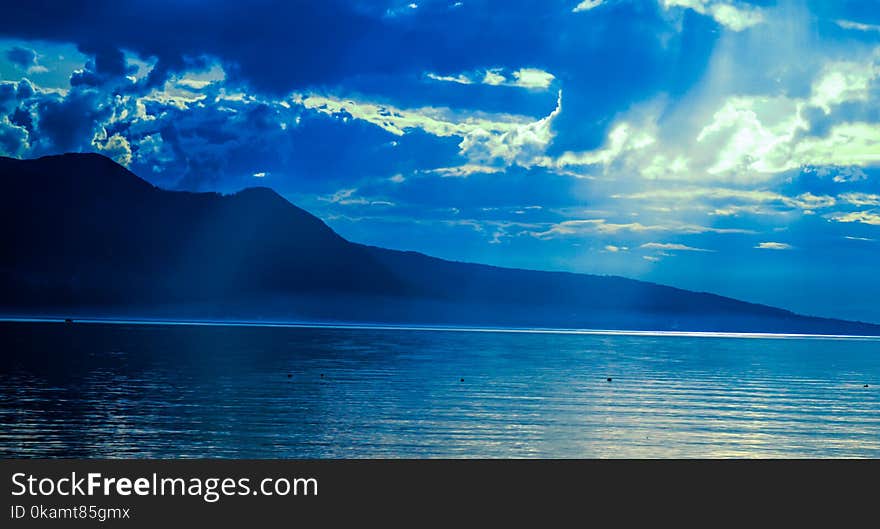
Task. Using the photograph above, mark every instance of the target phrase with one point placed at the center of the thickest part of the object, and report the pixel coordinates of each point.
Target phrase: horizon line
(439, 328)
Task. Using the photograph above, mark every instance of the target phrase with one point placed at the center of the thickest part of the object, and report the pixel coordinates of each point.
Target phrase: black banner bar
(236, 493)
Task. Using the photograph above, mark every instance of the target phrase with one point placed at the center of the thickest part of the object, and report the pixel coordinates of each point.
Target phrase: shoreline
(439, 328)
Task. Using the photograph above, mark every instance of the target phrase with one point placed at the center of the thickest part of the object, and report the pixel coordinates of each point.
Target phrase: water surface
(135, 390)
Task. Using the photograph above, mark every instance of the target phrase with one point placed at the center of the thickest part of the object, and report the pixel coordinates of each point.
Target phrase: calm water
(101, 390)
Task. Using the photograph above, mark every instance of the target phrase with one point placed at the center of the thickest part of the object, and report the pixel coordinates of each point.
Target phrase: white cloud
(488, 141)
(115, 146)
(532, 78)
(529, 78)
(752, 135)
(623, 139)
(863, 239)
(773, 246)
(846, 144)
(437, 121)
(845, 81)
(857, 26)
(864, 217)
(734, 16)
(585, 226)
(861, 199)
(521, 144)
(348, 197)
(493, 78)
(587, 5)
(691, 195)
(460, 79)
(16, 138)
(614, 249)
(671, 247)
(841, 174)
(463, 171)
(723, 133)
(261, 174)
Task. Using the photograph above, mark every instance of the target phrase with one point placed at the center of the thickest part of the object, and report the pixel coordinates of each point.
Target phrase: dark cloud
(107, 65)
(22, 117)
(22, 57)
(7, 97)
(69, 124)
(25, 89)
(368, 48)
(280, 46)
(305, 41)
(12, 139)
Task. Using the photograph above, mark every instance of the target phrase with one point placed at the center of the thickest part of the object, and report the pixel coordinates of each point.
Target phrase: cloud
(24, 58)
(587, 5)
(349, 197)
(460, 78)
(623, 140)
(69, 123)
(615, 249)
(529, 78)
(487, 140)
(861, 199)
(671, 247)
(108, 65)
(587, 226)
(751, 135)
(773, 246)
(464, 171)
(845, 81)
(13, 138)
(533, 78)
(841, 174)
(115, 146)
(521, 144)
(442, 122)
(864, 217)
(748, 138)
(693, 196)
(863, 239)
(857, 26)
(734, 16)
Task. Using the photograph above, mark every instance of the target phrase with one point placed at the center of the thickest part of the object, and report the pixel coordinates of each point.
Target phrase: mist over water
(118, 390)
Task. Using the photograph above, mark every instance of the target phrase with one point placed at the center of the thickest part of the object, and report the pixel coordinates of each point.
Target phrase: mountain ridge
(89, 235)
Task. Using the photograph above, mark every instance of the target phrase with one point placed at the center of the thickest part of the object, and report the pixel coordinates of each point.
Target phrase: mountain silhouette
(84, 236)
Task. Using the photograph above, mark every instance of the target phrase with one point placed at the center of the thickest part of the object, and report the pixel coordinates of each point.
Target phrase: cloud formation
(773, 246)
(530, 78)
(735, 16)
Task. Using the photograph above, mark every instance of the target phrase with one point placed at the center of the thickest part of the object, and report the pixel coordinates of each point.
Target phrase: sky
(714, 145)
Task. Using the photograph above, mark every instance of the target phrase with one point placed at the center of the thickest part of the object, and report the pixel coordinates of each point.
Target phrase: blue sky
(716, 145)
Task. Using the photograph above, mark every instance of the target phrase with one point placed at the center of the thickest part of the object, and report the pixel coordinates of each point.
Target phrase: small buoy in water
(322, 375)
(608, 379)
(461, 380)
(68, 320)
(866, 385)
(289, 375)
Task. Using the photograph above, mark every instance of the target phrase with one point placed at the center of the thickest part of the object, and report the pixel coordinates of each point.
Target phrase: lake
(110, 390)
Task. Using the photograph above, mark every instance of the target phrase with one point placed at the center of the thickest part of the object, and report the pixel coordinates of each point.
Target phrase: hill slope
(89, 237)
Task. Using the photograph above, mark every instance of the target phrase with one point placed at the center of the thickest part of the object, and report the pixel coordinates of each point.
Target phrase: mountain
(84, 236)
